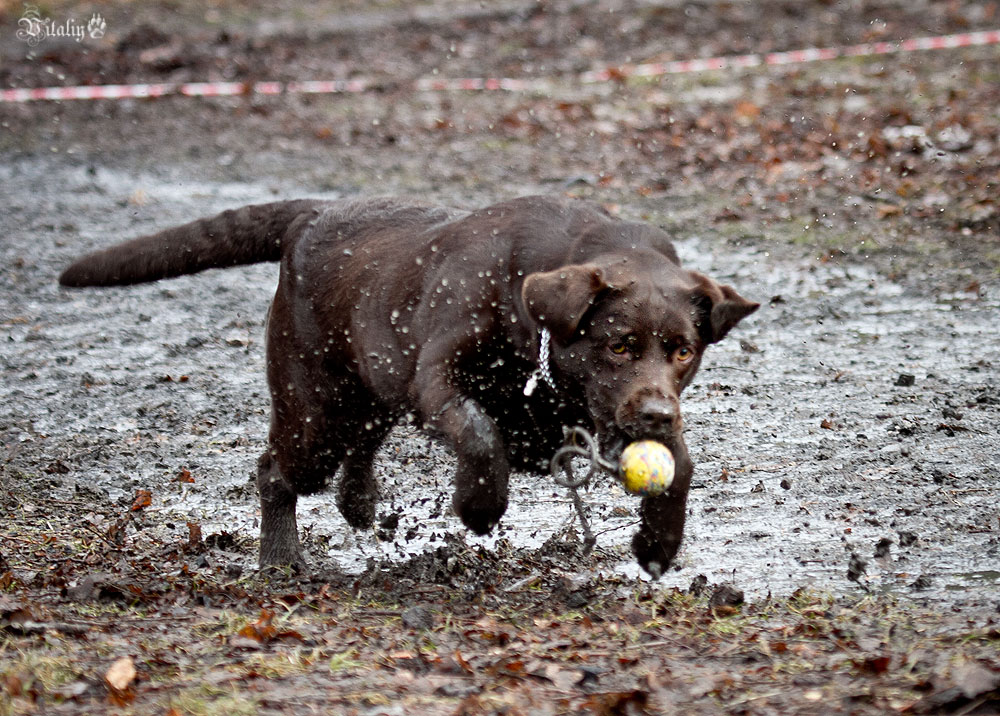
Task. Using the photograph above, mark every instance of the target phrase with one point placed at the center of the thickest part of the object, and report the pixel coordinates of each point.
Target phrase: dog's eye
(619, 348)
(684, 354)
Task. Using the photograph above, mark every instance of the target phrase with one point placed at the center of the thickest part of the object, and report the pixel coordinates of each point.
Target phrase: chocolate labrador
(386, 309)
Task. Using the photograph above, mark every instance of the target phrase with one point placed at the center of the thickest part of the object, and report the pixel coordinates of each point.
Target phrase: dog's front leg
(662, 520)
(480, 497)
(481, 479)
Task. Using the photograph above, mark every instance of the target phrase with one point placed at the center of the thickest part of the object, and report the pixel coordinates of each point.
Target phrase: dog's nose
(658, 415)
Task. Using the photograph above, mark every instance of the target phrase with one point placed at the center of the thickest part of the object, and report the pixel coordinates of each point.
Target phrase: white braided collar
(542, 371)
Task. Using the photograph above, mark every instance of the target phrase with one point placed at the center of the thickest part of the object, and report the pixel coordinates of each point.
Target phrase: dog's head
(629, 332)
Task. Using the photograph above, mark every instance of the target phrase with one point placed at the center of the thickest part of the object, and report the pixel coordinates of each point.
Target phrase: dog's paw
(282, 557)
(480, 510)
(357, 508)
(653, 557)
(480, 520)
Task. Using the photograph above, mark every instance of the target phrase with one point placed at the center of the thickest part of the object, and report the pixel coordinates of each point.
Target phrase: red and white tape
(435, 84)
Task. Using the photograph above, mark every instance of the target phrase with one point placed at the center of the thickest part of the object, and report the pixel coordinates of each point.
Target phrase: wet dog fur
(387, 308)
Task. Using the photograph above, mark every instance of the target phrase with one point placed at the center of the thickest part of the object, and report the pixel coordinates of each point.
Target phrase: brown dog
(385, 309)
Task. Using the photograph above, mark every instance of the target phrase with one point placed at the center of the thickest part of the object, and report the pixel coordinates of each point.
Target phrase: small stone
(882, 548)
(576, 600)
(726, 595)
(698, 585)
(921, 583)
(589, 676)
(418, 617)
(905, 380)
(856, 567)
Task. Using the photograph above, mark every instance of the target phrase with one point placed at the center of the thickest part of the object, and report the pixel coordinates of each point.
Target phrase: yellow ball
(646, 468)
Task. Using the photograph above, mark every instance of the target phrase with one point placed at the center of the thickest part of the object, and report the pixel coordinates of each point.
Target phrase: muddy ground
(846, 436)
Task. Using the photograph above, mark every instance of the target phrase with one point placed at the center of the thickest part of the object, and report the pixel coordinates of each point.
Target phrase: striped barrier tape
(479, 84)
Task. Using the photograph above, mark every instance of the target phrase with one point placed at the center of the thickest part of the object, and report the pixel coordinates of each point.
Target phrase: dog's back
(251, 234)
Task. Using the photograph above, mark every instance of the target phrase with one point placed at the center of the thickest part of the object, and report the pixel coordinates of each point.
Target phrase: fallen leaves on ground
(471, 645)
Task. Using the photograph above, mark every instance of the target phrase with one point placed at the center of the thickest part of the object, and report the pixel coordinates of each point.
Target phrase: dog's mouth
(614, 441)
(612, 446)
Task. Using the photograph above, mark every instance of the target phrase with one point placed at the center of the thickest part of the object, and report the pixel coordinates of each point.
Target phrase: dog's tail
(252, 234)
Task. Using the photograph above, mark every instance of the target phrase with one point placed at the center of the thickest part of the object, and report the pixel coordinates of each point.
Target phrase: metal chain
(562, 463)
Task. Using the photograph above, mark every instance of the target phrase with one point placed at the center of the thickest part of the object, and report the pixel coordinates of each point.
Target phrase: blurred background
(904, 143)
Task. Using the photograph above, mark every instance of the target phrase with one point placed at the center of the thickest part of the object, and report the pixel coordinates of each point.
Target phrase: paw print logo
(96, 26)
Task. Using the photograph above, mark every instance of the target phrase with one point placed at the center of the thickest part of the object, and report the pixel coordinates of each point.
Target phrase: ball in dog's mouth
(646, 468)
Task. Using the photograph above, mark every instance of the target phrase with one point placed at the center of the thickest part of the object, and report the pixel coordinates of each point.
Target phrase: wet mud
(852, 416)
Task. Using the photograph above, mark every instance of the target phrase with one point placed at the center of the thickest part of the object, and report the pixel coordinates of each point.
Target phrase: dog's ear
(558, 299)
(717, 308)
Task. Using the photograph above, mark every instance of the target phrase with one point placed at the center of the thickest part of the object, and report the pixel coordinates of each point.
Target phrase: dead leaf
(13, 684)
(704, 685)
(121, 674)
(886, 211)
(194, 536)
(727, 214)
(185, 476)
(143, 499)
(563, 679)
(119, 680)
(619, 702)
(261, 630)
(10, 606)
(72, 690)
(725, 611)
(970, 687)
(462, 662)
(98, 585)
(873, 664)
(973, 679)
(746, 113)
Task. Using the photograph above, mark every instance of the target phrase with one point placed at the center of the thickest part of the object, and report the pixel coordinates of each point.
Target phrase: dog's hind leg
(279, 536)
(357, 491)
